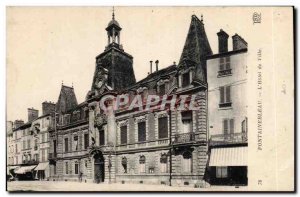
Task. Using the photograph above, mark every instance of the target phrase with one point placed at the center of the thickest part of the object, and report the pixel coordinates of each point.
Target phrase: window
(123, 130)
(54, 168)
(66, 167)
(24, 144)
(16, 148)
(54, 147)
(185, 79)
(142, 164)
(66, 144)
(35, 144)
(221, 172)
(151, 170)
(141, 131)
(75, 143)
(225, 98)
(228, 126)
(36, 157)
(86, 141)
(225, 63)
(162, 127)
(28, 144)
(187, 162)
(163, 163)
(102, 138)
(76, 168)
(244, 125)
(43, 137)
(187, 122)
(124, 164)
(162, 89)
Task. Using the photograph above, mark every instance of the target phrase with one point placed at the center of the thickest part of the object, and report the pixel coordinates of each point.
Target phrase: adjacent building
(227, 111)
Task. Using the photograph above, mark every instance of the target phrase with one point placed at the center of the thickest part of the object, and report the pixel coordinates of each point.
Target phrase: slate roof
(196, 49)
(66, 100)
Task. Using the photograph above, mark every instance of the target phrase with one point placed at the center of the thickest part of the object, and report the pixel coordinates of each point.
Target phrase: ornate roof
(66, 100)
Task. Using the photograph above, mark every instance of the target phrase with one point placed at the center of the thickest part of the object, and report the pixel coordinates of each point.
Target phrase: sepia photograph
(149, 99)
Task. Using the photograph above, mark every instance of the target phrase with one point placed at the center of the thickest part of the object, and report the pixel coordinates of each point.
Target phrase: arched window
(187, 162)
(163, 163)
(124, 164)
(142, 164)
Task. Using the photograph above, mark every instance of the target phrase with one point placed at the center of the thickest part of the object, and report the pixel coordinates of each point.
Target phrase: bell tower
(114, 67)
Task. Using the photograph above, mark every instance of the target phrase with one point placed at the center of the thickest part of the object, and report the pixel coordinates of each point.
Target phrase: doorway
(99, 168)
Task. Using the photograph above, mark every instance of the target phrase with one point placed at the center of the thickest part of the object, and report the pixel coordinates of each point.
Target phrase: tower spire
(113, 13)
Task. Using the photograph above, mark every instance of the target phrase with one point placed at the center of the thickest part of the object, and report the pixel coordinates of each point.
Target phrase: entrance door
(99, 168)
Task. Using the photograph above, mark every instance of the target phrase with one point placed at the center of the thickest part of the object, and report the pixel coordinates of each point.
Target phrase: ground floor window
(187, 162)
(142, 164)
(163, 163)
(124, 164)
(222, 172)
(76, 168)
(66, 167)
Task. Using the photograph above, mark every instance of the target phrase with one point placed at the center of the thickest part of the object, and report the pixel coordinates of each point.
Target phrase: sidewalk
(76, 186)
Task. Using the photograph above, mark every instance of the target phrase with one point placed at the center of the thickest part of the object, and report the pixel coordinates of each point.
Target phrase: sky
(48, 45)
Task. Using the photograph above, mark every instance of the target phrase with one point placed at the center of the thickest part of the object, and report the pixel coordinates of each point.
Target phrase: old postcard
(193, 99)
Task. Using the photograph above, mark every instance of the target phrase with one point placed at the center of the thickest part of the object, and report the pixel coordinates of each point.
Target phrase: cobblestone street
(75, 186)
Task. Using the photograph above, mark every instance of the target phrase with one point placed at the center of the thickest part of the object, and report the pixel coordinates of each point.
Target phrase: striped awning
(233, 156)
(41, 166)
(24, 169)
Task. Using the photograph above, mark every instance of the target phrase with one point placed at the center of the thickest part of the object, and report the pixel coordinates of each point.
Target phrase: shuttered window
(141, 131)
(123, 131)
(228, 126)
(225, 96)
(67, 168)
(162, 127)
(76, 168)
(102, 137)
(75, 143)
(225, 63)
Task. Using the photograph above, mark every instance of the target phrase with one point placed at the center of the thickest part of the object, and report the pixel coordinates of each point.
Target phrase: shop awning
(24, 169)
(233, 156)
(41, 166)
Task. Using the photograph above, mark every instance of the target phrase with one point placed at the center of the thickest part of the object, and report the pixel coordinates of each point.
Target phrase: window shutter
(227, 63)
(231, 125)
(221, 64)
(162, 127)
(228, 94)
(225, 126)
(222, 94)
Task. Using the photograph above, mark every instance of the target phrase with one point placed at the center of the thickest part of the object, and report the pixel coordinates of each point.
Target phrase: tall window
(67, 167)
(66, 144)
(35, 144)
(225, 97)
(228, 126)
(187, 122)
(36, 157)
(54, 168)
(162, 89)
(76, 168)
(221, 172)
(101, 137)
(142, 164)
(54, 147)
(75, 143)
(187, 162)
(43, 137)
(86, 141)
(225, 63)
(141, 131)
(123, 130)
(43, 155)
(186, 79)
(162, 127)
(163, 163)
(16, 148)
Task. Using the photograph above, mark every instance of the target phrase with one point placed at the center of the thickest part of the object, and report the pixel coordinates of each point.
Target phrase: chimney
(48, 107)
(223, 41)
(32, 114)
(156, 62)
(238, 42)
(151, 66)
(18, 123)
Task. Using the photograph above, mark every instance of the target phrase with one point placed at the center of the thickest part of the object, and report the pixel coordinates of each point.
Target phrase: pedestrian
(80, 176)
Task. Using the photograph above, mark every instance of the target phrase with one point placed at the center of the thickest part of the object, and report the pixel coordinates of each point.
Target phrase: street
(76, 186)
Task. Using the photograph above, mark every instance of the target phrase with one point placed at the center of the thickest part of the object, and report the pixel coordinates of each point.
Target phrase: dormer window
(186, 79)
(162, 89)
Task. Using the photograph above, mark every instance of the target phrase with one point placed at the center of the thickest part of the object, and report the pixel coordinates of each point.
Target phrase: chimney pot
(151, 66)
(223, 41)
(156, 62)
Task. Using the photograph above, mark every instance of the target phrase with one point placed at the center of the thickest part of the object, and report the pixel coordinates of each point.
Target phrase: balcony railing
(232, 138)
(226, 72)
(184, 138)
